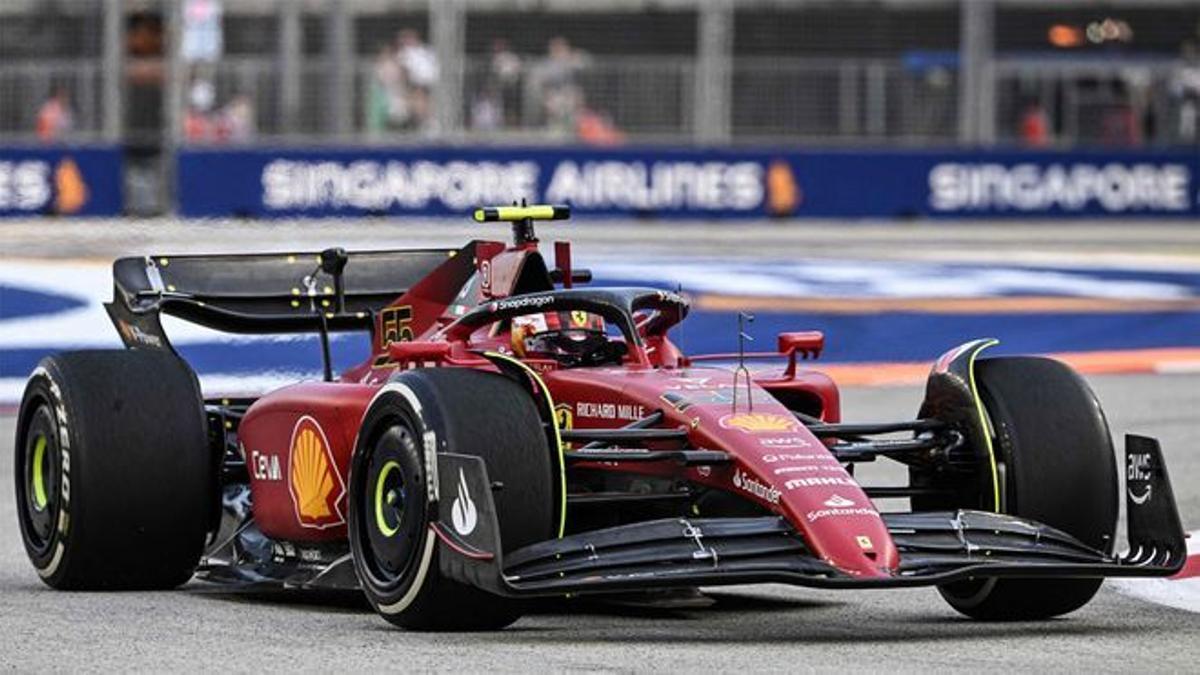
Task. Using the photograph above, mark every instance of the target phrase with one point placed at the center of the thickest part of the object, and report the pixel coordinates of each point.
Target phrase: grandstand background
(155, 76)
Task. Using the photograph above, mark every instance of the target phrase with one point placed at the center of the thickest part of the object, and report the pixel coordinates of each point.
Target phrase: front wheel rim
(41, 478)
(392, 516)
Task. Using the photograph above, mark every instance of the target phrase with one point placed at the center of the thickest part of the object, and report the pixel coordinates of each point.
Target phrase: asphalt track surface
(749, 628)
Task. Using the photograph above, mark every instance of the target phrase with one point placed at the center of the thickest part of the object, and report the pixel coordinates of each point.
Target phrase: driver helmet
(526, 330)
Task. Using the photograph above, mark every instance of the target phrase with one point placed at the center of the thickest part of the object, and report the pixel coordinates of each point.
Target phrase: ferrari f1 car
(515, 433)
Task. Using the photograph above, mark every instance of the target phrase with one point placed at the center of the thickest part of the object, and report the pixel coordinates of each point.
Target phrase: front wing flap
(935, 547)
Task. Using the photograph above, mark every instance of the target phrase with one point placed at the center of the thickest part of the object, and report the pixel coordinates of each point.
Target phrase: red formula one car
(513, 435)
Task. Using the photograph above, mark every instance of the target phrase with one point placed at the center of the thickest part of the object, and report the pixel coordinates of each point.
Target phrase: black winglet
(1155, 531)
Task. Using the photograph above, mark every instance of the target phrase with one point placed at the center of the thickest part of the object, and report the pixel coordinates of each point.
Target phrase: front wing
(935, 547)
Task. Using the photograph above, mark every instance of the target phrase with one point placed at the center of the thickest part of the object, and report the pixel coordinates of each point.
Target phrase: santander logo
(838, 502)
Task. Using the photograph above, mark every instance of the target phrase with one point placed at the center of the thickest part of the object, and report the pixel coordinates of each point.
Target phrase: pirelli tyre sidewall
(113, 472)
(391, 447)
(413, 417)
(43, 449)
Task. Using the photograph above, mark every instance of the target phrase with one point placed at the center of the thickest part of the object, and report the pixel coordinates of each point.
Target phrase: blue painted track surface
(851, 336)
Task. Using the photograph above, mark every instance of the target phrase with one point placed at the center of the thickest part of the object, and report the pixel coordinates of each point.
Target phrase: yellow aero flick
(508, 214)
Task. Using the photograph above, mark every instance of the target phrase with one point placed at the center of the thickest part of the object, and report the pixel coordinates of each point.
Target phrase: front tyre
(114, 478)
(1059, 469)
(391, 508)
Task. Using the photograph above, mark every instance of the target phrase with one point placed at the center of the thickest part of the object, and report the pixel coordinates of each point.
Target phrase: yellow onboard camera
(512, 214)
(522, 218)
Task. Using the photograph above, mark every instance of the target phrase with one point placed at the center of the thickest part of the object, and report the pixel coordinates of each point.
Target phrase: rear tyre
(1050, 432)
(395, 552)
(114, 479)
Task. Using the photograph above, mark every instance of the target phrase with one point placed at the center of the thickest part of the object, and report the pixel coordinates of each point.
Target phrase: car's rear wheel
(1059, 469)
(395, 551)
(114, 479)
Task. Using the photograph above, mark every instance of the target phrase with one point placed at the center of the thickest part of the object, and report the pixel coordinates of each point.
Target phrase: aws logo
(313, 479)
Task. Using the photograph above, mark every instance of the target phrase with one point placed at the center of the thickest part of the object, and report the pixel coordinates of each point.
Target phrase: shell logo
(783, 193)
(758, 423)
(313, 480)
(71, 192)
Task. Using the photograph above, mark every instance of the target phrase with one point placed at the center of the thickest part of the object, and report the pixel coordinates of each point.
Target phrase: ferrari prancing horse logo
(313, 479)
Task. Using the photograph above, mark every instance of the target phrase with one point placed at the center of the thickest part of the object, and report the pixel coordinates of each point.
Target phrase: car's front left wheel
(395, 550)
(1050, 433)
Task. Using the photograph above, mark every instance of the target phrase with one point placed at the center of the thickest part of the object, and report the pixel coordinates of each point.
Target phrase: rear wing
(262, 293)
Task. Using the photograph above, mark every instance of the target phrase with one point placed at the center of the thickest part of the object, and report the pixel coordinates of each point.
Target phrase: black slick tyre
(1050, 432)
(395, 552)
(114, 478)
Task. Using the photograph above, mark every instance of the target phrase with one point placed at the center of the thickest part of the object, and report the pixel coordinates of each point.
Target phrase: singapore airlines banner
(690, 183)
(60, 181)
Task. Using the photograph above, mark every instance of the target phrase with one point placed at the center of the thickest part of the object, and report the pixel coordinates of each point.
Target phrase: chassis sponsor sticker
(630, 412)
(313, 479)
(745, 483)
(839, 506)
(818, 481)
(759, 423)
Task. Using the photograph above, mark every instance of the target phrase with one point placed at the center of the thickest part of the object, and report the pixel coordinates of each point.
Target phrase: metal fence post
(174, 86)
(342, 71)
(113, 71)
(877, 94)
(290, 54)
(977, 82)
(714, 71)
(447, 36)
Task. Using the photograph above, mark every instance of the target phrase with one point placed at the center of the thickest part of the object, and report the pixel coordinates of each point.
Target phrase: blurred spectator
(554, 82)
(1035, 125)
(1122, 124)
(1185, 89)
(504, 78)
(487, 110)
(54, 118)
(235, 122)
(596, 128)
(198, 125)
(495, 106)
(421, 70)
(387, 98)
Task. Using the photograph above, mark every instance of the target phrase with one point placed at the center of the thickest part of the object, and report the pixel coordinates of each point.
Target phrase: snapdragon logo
(1113, 187)
(379, 186)
(702, 186)
(531, 302)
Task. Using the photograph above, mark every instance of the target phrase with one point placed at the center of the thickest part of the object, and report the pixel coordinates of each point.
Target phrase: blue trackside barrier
(63, 181)
(691, 183)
